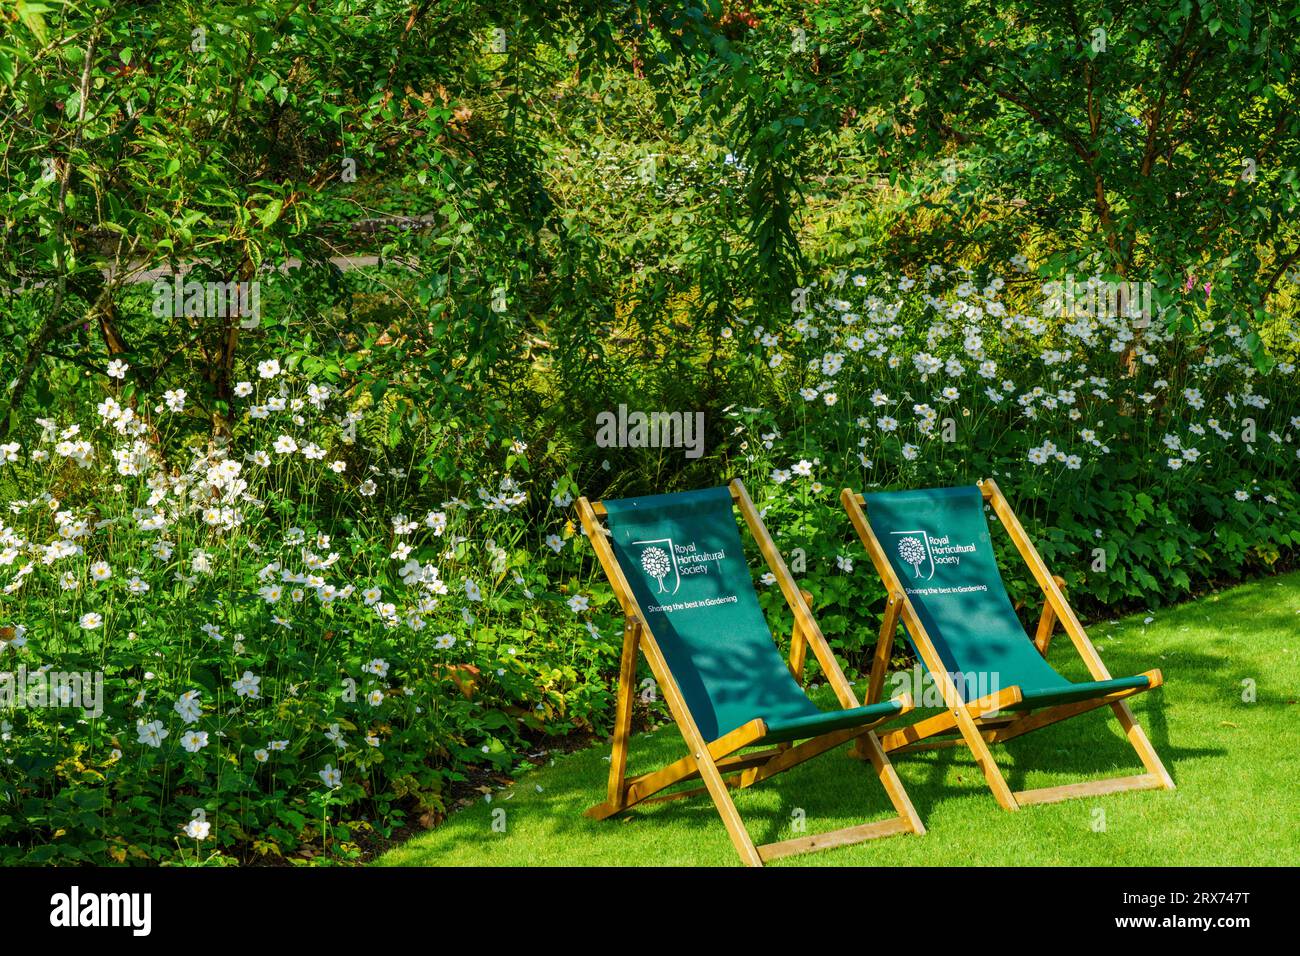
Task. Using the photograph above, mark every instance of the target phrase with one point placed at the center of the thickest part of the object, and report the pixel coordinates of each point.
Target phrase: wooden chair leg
(799, 645)
(1156, 777)
(717, 788)
(1047, 623)
(798, 652)
(869, 745)
(984, 758)
(907, 821)
(1138, 738)
(884, 647)
(880, 663)
(616, 792)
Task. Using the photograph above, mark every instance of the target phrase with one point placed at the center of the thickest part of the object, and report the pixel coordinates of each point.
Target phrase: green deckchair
(933, 551)
(678, 568)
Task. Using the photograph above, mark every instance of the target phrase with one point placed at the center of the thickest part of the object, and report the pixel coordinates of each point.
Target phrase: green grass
(1235, 765)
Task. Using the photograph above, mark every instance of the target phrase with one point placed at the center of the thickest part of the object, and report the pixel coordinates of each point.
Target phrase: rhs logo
(668, 562)
(912, 550)
(655, 562)
(659, 561)
(922, 551)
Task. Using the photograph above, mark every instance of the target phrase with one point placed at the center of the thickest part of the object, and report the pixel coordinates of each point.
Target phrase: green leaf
(270, 212)
(32, 17)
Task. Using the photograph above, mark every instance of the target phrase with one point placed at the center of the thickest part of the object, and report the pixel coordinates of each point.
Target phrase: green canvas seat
(678, 568)
(705, 615)
(932, 550)
(961, 599)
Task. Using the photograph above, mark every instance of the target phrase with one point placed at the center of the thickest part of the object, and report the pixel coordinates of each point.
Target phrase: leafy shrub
(1143, 461)
(325, 624)
(289, 652)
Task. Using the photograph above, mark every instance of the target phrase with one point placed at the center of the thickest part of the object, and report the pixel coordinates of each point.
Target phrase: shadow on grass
(1205, 649)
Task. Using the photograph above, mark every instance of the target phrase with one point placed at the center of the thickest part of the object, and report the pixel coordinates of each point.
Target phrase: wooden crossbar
(825, 841)
(1088, 788)
(643, 786)
(754, 767)
(1051, 715)
(948, 720)
(789, 757)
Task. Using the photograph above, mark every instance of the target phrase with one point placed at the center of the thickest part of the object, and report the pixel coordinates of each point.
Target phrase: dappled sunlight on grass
(1234, 763)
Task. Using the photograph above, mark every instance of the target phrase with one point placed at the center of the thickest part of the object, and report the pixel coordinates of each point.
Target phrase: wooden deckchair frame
(719, 763)
(976, 724)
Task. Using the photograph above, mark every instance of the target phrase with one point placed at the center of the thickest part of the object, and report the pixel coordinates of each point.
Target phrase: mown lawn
(1236, 765)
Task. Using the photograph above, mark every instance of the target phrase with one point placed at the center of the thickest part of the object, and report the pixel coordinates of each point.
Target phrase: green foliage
(475, 225)
(279, 598)
(1157, 141)
(1145, 462)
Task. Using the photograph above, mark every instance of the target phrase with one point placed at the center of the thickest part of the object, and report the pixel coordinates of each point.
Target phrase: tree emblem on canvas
(912, 551)
(654, 561)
